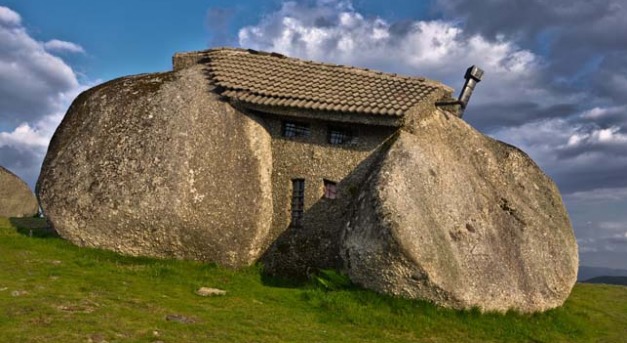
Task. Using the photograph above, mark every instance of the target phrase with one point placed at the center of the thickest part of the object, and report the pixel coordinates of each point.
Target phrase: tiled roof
(274, 80)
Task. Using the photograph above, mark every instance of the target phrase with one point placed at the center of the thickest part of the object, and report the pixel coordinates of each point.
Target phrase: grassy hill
(51, 291)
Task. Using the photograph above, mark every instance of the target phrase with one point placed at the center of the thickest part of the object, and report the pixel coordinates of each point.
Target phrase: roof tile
(265, 79)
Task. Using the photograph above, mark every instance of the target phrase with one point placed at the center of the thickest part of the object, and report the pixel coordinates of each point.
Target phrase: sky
(555, 80)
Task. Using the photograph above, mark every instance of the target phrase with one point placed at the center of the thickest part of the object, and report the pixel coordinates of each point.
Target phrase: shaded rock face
(16, 198)
(462, 220)
(156, 165)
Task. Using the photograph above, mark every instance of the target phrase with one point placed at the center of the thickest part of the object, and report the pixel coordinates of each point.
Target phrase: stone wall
(314, 244)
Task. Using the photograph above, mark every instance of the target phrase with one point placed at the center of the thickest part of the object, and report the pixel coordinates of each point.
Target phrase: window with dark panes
(338, 135)
(294, 129)
(298, 201)
(330, 189)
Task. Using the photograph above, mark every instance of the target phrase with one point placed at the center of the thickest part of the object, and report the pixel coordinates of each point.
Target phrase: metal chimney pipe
(473, 76)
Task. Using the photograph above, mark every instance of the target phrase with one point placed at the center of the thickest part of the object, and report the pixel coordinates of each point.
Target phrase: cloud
(36, 87)
(333, 31)
(579, 37)
(56, 45)
(517, 101)
(9, 17)
(599, 195)
(24, 136)
(33, 82)
(580, 156)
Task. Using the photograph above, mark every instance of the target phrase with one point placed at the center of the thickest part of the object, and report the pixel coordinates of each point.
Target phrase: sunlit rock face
(462, 220)
(157, 165)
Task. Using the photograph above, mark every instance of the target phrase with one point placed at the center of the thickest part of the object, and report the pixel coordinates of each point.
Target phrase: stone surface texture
(457, 218)
(156, 165)
(171, 165)
(16, 198)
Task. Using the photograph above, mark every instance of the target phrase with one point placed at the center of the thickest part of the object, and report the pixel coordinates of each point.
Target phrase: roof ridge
(343, 67)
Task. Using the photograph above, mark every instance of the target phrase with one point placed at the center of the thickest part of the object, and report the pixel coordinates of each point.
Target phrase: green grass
(52, 291)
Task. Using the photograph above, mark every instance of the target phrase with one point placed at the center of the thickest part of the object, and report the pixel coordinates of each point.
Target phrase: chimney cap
(474, 72)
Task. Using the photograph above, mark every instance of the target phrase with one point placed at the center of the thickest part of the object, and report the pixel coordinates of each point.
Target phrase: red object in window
(330, 189)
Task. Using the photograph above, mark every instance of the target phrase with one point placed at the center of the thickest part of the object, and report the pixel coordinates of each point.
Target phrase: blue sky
(556, 73)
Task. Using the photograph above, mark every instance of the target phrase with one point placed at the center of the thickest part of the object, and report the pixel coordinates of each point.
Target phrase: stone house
(239, 156)
(327, 123)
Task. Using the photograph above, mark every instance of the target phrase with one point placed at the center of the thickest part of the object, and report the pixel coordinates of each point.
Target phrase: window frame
(298, 202)
(344, 134)
(295, 129)
(330, 189)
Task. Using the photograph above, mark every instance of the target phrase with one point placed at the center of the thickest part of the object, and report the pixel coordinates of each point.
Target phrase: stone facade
(241, 156)
(314, 243)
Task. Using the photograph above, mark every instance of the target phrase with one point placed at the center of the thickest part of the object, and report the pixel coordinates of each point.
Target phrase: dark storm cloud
(608, 175)
(610, 80)
(525, 19)
(578, 38)
(486, 117)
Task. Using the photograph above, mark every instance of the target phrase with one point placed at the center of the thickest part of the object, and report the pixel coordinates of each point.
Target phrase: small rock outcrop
(16, 198)
(156, 165)
(462, 220)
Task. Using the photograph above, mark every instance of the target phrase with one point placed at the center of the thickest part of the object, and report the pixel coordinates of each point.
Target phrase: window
(298, 201)
(330, 189)
(292, 129)
(339, 135)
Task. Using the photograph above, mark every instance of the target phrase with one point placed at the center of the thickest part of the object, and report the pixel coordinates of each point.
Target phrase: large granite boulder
(462, 220)
(157, 165)
(16, 198)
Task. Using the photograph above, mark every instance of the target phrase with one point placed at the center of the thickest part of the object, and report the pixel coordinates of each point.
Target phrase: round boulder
(157, 165)
(16, 198)
(462, 220)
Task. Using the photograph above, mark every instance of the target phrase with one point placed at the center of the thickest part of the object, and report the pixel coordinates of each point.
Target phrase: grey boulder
(462, 220)
(16, 198)
(156, 165)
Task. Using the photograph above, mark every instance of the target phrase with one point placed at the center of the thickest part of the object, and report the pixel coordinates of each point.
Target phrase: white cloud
(599, 195)
(611, 135)
(333, 31)
(24, 136)
(33, 82)
(8, 17)
(56, 45)
(36, 87)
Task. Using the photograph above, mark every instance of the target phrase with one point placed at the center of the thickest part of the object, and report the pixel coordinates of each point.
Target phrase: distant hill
(609, 280)
(587, 273)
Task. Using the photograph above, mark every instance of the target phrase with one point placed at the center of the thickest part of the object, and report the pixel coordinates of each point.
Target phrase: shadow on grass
(279, 282)
(34, 227)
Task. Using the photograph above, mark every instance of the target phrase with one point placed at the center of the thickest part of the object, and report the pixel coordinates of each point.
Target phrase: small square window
(330, 189)
(293, 129)
(339, 135)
